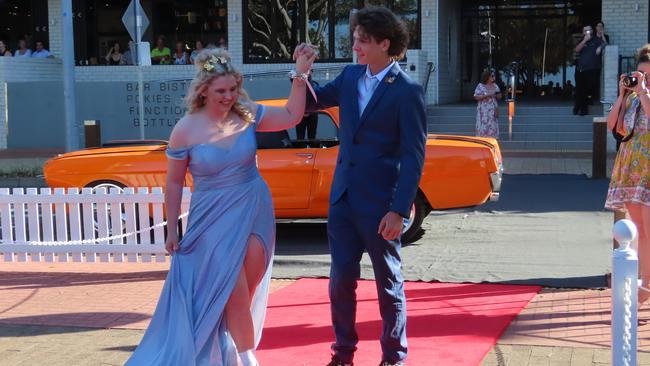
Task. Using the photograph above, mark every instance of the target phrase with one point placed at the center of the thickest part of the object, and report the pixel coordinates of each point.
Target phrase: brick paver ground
(565, 327)
(95, 314)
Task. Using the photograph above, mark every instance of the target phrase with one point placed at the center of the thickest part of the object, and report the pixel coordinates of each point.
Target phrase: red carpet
(448, 324)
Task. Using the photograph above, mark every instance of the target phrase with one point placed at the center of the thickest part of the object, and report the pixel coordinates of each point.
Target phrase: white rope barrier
(98, 240)
(625, 269)
(627, 323)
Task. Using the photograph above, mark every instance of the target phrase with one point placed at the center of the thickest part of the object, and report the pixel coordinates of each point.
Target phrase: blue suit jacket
(381, 151)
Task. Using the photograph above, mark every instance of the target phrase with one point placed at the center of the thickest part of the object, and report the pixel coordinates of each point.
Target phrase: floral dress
(631, 174)
(487, 123)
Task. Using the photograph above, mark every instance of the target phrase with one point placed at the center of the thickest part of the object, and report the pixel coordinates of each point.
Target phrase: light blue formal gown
(230, 203)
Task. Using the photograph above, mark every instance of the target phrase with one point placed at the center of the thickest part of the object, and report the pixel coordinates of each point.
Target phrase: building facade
(451, 43)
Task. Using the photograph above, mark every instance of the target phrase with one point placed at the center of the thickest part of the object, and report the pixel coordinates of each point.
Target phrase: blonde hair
(643, 54)
(212, 63)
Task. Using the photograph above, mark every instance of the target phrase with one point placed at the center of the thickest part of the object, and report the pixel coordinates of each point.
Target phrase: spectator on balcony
(222, 43)
(41, 51)
(600, 33)
(114, 56)
(4, 50)
(127, 56)
(22, 50)
(487, 113)
(198, 47)
(629, 188)
(161, 55)
(180, 56)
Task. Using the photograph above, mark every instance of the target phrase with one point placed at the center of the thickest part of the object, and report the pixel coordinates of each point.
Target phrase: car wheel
(108, 185)
(413, 225)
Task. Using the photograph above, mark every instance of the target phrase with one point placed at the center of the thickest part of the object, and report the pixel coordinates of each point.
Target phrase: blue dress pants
(350, 233)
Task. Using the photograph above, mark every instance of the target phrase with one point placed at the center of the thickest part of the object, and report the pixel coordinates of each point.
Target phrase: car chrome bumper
(495, 180)
(494, 197)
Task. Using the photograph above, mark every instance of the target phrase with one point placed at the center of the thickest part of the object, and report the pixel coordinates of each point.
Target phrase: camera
(630, 81)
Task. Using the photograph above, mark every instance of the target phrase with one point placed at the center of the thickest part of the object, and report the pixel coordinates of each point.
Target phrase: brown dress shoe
(336, 362)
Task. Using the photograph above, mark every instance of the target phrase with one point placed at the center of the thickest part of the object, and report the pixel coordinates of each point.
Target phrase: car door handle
(305, 155)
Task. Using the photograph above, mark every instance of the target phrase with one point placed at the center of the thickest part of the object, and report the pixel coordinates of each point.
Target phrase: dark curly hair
(380, 23)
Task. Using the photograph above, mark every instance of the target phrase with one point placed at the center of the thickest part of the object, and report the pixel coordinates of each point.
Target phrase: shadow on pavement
(590, 282)
(27, 326)
(537, 193)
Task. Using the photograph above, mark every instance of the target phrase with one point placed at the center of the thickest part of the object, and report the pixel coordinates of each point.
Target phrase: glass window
(315, 127)
(409, 10)
(20, 19)
(273, 29)
(99, 26)
(326, 129)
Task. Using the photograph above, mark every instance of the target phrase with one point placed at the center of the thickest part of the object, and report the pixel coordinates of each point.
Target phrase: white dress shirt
(367, 85)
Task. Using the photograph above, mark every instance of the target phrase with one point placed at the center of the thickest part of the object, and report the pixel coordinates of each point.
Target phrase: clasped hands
(304, 54)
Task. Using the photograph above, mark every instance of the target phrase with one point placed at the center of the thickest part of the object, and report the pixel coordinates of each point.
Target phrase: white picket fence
(88, 225)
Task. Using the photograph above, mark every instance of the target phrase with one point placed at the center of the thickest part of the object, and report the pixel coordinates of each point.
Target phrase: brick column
(610, 73)
(626, 22)
(236, 32)
(54, 24)
(429, 43)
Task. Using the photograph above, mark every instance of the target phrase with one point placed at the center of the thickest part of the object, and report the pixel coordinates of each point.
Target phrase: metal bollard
(625, 269)
(599, 148)
(92, 133)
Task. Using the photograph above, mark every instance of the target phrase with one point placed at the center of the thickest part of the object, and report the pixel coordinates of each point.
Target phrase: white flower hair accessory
(214, 61)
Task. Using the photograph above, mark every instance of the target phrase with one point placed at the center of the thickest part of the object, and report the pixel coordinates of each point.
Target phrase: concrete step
(519, 110)
(540, 136)
(451, 128)
(569, 146)
(535, 127)
(548, 136)
(526, 119)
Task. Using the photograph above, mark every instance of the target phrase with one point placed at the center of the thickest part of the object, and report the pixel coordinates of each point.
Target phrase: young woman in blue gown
(211, 309)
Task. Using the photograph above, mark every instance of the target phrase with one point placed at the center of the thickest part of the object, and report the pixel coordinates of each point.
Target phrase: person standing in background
(587, 70)
(487, 111)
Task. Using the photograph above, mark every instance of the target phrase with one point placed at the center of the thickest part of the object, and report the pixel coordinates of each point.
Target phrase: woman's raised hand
(304, 55)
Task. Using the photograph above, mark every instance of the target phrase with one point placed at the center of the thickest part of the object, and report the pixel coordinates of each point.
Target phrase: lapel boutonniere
(390, 79)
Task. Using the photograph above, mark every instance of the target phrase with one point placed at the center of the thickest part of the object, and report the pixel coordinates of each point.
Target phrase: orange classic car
(459, 171)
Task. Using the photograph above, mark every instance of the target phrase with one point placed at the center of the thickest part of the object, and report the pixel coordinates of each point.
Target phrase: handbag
(620, 119)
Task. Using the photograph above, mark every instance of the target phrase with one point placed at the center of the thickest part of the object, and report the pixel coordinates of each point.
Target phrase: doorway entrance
(533, 40)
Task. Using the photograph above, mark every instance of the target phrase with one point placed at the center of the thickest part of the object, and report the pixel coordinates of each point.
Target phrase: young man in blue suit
(383, 136)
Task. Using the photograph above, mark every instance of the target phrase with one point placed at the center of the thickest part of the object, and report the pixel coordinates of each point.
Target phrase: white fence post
(94, 225)
(625, 269)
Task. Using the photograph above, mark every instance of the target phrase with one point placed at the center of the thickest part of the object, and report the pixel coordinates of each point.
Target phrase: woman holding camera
(630, 183)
